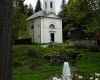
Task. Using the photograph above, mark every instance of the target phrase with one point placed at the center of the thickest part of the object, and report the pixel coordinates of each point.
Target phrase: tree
(93, 23)
(82, 14)
(38, 6)
(30, 10)
(19, 25)
(77, 12)
(63, 14)
(5, 40)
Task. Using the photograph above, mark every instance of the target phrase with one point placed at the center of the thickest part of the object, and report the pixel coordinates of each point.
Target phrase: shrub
(17, 64)
(56, 57)
(32, 51)
(24, 55)
(72, 56)
(79, 45)
(93, 48)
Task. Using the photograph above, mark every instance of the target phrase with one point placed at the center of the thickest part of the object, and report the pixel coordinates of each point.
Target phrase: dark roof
(39, 14)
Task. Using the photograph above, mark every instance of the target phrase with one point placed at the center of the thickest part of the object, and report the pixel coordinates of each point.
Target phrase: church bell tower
(49, 5)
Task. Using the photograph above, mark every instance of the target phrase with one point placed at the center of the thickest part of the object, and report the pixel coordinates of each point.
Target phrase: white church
(45, 25)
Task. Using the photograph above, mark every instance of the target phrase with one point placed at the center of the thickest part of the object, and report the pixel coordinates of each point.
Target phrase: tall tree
(38, 6)
(63, 14)
(92, 22)
(5, 40)
(77, 12)
(81, 14)
(30, 10)
(19, 25)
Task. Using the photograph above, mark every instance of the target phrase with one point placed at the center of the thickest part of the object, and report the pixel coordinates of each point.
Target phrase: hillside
(31, 62)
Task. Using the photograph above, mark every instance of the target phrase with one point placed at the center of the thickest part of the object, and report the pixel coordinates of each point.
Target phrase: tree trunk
(5, 39)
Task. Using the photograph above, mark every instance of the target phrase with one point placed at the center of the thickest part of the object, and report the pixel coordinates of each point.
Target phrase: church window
(52, 26)
(51, 5)
(45, 5)
(38, 36)
(38, 25)
(32, 27)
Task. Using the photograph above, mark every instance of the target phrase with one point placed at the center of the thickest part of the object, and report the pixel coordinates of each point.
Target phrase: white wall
(37, 28)
(42, 33)
(45, 31)
(48, 5)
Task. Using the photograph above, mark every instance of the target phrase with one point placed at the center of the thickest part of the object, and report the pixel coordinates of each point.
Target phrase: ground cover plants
(31, 62)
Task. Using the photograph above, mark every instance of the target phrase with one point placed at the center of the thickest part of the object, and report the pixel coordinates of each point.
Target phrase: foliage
(76, 77)
(81, 14)
(22, 54)
(89, 63)
(29, 64)
(60, 55)
(40, 74)
(63, 14)
(56, 57)
(30, 10)
(93, 22)
(94, 48)
(79, 45)
(38, 6)
(19, 23)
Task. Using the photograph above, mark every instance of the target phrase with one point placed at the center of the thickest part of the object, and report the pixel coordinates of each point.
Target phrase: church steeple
(49, 5)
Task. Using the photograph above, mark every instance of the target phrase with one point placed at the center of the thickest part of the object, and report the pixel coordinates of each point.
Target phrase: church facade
(46, 26)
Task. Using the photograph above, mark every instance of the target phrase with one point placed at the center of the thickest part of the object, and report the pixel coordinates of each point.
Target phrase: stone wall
(84, 42)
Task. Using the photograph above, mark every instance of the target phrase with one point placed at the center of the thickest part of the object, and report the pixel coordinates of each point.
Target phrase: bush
(17, 64)
(56, 57)
(27, 50)
(24, 55)
(79, 45)
(32, 51)
(72, 56)
(94, 48)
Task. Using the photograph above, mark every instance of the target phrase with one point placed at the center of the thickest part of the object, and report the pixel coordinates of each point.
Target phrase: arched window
(32, 27)
(51, 5)
(45, 5)
(52, 26)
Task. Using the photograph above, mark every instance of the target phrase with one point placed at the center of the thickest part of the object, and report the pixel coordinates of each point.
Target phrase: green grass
(61, 45)
(35, 76)
(39, 74)
(88, 63)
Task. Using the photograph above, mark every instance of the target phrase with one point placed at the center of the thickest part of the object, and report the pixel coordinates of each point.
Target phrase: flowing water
(66, 75)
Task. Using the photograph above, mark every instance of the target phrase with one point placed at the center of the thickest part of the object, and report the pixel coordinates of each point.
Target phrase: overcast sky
(57, 4)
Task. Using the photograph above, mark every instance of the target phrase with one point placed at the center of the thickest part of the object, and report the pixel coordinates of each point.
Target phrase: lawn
(29, 62)
(40, 74)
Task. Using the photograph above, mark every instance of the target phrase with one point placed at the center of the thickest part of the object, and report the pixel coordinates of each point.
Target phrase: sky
(33, 2)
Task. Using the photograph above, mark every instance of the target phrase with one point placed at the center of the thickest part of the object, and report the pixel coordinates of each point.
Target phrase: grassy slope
(39, 74)
(90, 63)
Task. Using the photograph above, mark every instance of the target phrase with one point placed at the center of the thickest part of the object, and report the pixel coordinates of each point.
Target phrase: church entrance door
(52, 37)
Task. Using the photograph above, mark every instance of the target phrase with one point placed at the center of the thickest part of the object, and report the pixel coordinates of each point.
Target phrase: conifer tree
(38, 6)
(30, 10)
